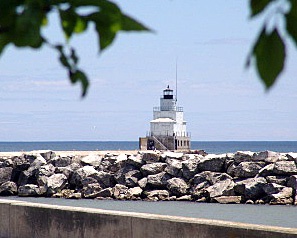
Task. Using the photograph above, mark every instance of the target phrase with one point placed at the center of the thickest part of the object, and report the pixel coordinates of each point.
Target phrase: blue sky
(211, 40)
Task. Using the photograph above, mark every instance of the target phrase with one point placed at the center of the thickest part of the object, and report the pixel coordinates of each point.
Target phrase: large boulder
(243, 156)
(285, 168)
(5, 174)
(30, 190)
(190, 167)
(61, 161)
(104, 179)
(174, 167)
(91, 190)
(248, 169)
(158, 180)
(151, 157)
(157, 195)
(278, 179)
(80, 174)
(134, 193)
(212, 163)
(177, 186)
(8, 188)
(221, 188)
(56, 183)
(267, 156)
(135, 161)
(227, 199)
(284, 197)
(153, 168)
(120, 191)
(92, 159)
(252, 188)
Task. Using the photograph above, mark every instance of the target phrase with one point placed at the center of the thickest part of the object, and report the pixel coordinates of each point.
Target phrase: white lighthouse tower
(168, 128)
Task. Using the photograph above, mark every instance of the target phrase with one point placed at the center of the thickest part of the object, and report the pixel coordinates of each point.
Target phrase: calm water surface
(284, 216)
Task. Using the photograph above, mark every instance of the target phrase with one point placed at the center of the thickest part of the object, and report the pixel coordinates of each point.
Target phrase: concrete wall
(21, 219)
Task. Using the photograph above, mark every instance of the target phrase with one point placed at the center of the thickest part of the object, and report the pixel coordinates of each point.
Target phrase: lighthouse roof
(162, 119)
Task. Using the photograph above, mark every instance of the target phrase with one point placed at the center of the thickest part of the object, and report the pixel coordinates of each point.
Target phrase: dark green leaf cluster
(269, 50)
(21, 22)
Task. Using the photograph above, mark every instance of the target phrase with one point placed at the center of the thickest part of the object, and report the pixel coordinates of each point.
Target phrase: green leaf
(291, 21)
(27, 27)
(107, 25)
(129, 24)
(68, 21)
(79, 76)
(270, 55)
(257, 6)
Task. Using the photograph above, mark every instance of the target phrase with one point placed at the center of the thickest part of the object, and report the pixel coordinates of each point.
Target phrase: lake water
(215, 147)
(283, 216)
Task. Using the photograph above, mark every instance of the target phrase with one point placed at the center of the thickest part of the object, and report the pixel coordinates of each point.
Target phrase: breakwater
(242, 177)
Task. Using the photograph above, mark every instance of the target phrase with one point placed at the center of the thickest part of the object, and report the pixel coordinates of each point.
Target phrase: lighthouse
(168, 128)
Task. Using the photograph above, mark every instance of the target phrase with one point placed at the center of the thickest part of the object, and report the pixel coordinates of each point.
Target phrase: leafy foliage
(269, 50)
(21, 22)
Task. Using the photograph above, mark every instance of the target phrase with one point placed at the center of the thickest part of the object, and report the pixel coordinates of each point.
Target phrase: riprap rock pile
(243, 177)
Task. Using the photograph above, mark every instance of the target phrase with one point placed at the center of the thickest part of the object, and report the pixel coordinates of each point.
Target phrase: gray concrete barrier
(23, 219)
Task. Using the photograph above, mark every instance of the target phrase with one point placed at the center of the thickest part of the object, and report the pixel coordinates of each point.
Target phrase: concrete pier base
(23, 219)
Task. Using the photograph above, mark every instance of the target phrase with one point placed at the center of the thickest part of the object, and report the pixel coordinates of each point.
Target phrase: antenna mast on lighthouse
(176, 80)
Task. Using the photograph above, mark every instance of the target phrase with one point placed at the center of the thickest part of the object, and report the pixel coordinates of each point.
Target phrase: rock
(231, 169)
(284, 197)
(104, 179)
(93, 160)
(151, 157)
(278, 179)
(120, 191)
(252, 188)
(91, 190)
(135, 161)
(158, 180)
(174, 167)
(132, 177)
(177, 186)
(292, 182)
(105, 193)
(56, 183)
(210, 177)
(184, 198)
(190, 168)
(249, 202)
(74, 196)
(61, 161)
(67, 171)
(45, 170)
(285, 168)
(156, 195)
(38, 162)
(172, 155)
(248, 169)
(267, 156)
(29, 190)
(272, 188)
(243, 156)
(227, 199)
(134, 193)
(142, 182)
(266, 171)
(211, 163)
(46, 154)
(8, 188)
(5, 174)
(221, 188)
(80, 174)
(153, 168)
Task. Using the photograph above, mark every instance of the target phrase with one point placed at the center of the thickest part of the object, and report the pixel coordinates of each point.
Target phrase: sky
(210, 40)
